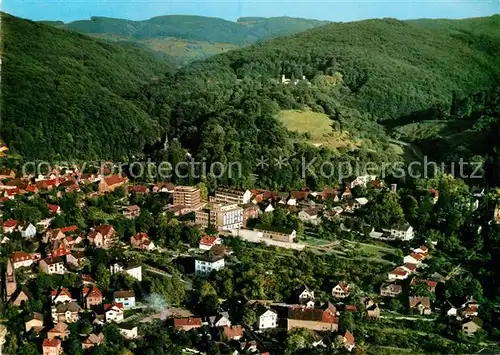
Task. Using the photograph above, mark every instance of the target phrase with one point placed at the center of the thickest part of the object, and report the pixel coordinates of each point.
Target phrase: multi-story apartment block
(188, 196)
(221, 217)
(225, 196)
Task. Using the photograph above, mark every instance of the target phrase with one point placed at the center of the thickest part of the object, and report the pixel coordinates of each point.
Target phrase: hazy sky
(334, 10)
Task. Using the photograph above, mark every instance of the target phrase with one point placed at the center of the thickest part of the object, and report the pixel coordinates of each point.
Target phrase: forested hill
(360, 73)
(62, 93)
(188, 38)
(197, 28)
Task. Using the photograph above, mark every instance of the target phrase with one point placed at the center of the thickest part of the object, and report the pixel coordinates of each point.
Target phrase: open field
(318, 126)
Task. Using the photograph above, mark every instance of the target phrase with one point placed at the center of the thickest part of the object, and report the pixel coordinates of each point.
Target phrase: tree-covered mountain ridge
(186, 38)
(366, 76)
(199, 28)
(63, 93)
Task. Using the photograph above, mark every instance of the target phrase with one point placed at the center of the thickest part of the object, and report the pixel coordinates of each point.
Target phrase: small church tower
(10, 279)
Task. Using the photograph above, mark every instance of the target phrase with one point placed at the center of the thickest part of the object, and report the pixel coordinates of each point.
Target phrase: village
(217, 230)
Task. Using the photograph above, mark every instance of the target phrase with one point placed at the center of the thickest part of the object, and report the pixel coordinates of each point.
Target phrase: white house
(61, 296)
(28, 232)
(269, 208)
(341, 290)
(310, 216)
(23, 259)
(305, 294)
(362, 180)
(128, 332)
(414, 258)
(266, 318)
(398, 274)
(220, 320)
(53, 266)
(133, 270)
(126, 298)
(205, 264)
(208, 241)
(403, 232)
(113, 312)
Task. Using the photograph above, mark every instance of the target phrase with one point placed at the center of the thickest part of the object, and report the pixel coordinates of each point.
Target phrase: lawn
(318, 126)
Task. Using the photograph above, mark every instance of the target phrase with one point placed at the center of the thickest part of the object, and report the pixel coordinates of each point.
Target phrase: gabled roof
(114, 179)
(182, 322)
(20, 256)
(104, 229)
(311, 314)
(68, 229)
(10, 223)
(234, 331)
(399, 271)
(51, 343)
(109, 306)
(349, 338)
(60, 292)
(52, 261)
(424, 301)
(208, 240)
(141, 236)
(123, 294)
(91, 292)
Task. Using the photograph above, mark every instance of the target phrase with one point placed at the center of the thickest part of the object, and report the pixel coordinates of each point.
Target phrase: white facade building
(113, 313)
(267, 319)
(28, 232)
(133, 270)
(205, 264)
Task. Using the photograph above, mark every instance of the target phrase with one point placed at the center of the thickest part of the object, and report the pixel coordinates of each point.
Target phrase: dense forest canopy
(199, 28)
(367, 77)
(62, 93)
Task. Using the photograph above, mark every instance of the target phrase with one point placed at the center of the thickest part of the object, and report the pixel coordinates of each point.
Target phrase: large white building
(403, 232)
(113, 312)
(231, 196)
(133, 270)
(205, 264)
(126, 298)
(221, 217)
(266, 318)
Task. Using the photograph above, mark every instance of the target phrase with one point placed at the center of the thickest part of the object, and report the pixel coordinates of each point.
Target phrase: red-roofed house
(110, 183)
(132, 212)
(9, 225)
(52, 347)
(187, 324)
(141, 241)
(92, 296)
(61, 296)
(23, 259)
(409, 267)
(312, 318)
(398, 274)
(341, 290)
(139, 189)
(234, 332)
(113, 312)
(103, 236)
(208, 241)
(69, 229)
(414, 258)
(349, 342)
(55, 209)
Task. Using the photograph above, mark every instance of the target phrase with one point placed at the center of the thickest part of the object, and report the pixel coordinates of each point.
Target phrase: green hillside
(191, 37)
(62, 93)
(368, 77)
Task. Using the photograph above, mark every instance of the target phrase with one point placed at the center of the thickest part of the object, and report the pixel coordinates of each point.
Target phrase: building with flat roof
(188, 196)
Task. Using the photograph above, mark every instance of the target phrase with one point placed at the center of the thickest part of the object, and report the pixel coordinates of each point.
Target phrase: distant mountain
(63, 93)
(191, 37)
